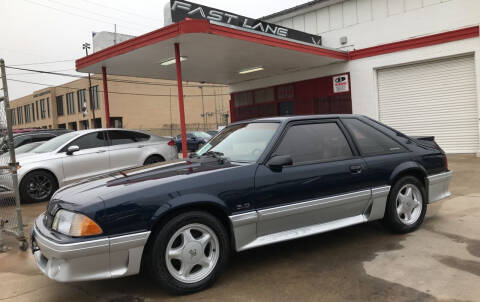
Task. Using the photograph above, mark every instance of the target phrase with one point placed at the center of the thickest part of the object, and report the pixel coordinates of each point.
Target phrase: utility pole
(86, 46)
(203, 111)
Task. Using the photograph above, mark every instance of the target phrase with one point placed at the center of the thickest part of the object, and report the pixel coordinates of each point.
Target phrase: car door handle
(102, 151)
(140, 146)
(356, 169)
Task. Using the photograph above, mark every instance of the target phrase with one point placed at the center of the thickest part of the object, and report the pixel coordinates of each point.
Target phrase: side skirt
(245, 225)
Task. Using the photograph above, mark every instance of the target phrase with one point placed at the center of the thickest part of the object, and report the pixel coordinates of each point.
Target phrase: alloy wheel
(192, 253)
(409, 203)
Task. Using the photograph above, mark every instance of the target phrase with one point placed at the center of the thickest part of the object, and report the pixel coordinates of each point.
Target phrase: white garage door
(433, 98)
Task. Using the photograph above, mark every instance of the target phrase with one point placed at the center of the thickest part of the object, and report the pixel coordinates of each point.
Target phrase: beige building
(135, 103)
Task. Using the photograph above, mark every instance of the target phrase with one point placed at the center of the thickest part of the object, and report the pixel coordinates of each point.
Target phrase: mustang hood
(115, 184)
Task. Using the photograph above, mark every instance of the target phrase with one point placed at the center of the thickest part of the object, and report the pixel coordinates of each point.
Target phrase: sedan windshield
(55, 143)
(241, 143)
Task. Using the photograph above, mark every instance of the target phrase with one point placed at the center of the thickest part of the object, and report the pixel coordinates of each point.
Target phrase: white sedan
(82, 154)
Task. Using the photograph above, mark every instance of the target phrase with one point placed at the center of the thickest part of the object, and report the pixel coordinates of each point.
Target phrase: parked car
(23, 138)
(81, 154)
(212, 133)
(256, 183)
(195, 140)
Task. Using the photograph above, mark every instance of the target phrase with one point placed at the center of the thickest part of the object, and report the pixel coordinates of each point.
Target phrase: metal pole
(86, 46)
(13, 161)
(180, 100)
(216, 113)
(203, 111)
(105, 96)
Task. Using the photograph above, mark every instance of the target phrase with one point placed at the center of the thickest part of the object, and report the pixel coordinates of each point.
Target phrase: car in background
(215, 132)
(23, 138)
(256, 183)
(82, 154)
(195, 140)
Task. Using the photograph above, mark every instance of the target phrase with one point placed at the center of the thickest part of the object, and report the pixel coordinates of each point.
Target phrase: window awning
(214, 54)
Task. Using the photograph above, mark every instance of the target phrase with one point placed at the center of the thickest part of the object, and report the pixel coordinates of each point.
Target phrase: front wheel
(189, 252)
(37, 186)
(406, 205)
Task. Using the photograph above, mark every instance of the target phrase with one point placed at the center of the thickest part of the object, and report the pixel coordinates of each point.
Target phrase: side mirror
(72, 149)
(276, 163)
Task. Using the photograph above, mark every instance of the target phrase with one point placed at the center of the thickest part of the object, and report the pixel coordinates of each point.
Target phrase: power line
(95, 13)
(113, 92)
(109, 80)
(122, 11)
(73, 14)
(42, 63)
(26, 73)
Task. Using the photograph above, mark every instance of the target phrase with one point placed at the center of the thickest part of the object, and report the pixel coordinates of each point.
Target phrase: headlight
(75, 225)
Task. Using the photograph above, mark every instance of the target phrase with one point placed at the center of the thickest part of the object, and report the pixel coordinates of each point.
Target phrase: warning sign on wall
(340, 83)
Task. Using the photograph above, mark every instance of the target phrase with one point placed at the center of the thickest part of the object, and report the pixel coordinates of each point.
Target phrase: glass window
(121, 137)
(81, 100)
(28, 117)
(243, 142)
(33, 111)
(243, 99)
(95, 103)
(265, 95)
(38, 111)
(140, 137)
(42, 108)
(55, 143)
(20, 115)
(202, 134)
(89, 141)
(42, 137)
(314, 142)
(60, 105)
(48, 107)
(370, 140)
(70, 103)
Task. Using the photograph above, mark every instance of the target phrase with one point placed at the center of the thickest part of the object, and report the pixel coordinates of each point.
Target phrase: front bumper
(103, 258)
(437, 186)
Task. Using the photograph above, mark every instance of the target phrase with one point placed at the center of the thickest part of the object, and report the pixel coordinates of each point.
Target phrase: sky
(33, 32)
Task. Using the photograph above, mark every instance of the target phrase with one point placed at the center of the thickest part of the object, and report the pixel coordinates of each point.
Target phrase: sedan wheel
(37, 186)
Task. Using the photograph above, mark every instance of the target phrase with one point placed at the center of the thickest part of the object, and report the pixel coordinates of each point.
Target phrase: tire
(188, 253)
(153, 159)
(37, 186)
(405, 212)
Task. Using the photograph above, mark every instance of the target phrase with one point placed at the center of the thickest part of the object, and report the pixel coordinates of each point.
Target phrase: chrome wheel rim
(409, 204)
(192, 253)
(39, 187)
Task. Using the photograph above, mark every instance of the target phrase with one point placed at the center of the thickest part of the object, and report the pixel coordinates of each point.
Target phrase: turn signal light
(84, 226)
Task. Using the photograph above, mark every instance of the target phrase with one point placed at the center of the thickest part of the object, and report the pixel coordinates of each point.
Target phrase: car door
(90, 160)
(124, 151)
(325, 183)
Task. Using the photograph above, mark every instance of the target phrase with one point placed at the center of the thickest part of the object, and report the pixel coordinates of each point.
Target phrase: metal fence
(11, 222)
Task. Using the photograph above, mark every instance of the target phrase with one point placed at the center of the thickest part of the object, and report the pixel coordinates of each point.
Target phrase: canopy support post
(105, 97)
(180, 100)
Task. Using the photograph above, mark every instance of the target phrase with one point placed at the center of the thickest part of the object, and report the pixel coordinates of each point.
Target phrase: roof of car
(297, 118)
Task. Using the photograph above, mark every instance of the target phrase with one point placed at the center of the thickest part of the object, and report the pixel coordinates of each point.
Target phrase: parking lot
(439, 262)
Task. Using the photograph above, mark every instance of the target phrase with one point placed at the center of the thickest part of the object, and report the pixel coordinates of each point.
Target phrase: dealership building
(412, 64)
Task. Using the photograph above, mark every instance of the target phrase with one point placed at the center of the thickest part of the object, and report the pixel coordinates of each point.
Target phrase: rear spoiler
(427, 141)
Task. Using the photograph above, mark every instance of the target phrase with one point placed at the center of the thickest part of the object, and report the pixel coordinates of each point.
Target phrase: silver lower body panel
(438, 186)
(104, 258)
(267, 226)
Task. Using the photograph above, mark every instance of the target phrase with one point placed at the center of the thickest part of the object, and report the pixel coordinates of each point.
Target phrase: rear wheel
(189, 252)
(406, 206)
(153, 159)
(37, 186)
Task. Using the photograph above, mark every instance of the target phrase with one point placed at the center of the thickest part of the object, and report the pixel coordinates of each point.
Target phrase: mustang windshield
(242, 143)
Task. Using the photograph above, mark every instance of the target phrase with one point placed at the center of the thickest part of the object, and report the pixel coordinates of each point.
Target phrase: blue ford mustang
(256, 183)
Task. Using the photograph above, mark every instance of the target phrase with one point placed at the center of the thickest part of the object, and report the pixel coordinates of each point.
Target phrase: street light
(86, 46)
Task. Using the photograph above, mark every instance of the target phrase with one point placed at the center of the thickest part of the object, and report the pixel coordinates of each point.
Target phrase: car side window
(140, 137)
(89, 141)
(119, 137)
(314, 142)
(370, 140)
(41, 138)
